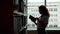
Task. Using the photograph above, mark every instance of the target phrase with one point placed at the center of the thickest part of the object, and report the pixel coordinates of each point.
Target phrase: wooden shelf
(22, 28)
(20, 13)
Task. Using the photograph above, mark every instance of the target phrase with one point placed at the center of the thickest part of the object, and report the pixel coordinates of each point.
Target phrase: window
(50, 9)
(53, 7)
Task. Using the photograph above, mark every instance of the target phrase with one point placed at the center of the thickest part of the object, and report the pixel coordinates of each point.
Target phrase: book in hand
(32, 18)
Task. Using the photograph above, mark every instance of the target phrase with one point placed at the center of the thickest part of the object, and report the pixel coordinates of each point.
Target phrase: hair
(44, 10)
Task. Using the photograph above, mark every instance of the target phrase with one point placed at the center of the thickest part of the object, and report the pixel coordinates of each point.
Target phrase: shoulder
(45, 17)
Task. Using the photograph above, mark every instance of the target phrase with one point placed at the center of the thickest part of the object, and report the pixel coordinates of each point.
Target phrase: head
(43, 10)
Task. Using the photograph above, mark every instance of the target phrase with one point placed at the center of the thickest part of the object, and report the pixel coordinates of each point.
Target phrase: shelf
(22, 28)
(20, 13)
(20, 17)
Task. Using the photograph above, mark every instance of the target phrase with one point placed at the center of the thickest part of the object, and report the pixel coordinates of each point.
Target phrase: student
(42, 21)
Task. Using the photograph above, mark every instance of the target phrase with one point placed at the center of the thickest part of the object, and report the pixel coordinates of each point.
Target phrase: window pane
(54, 10)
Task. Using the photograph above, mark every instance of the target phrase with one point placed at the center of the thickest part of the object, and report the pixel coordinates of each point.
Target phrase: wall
(6, 17)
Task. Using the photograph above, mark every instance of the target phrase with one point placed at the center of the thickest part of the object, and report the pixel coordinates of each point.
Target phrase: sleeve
(44, 18)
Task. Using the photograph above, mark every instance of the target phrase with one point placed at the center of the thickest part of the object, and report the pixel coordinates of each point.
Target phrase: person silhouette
(42, 21)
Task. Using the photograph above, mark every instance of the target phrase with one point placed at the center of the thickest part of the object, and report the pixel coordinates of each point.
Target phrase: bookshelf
(20, 17)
